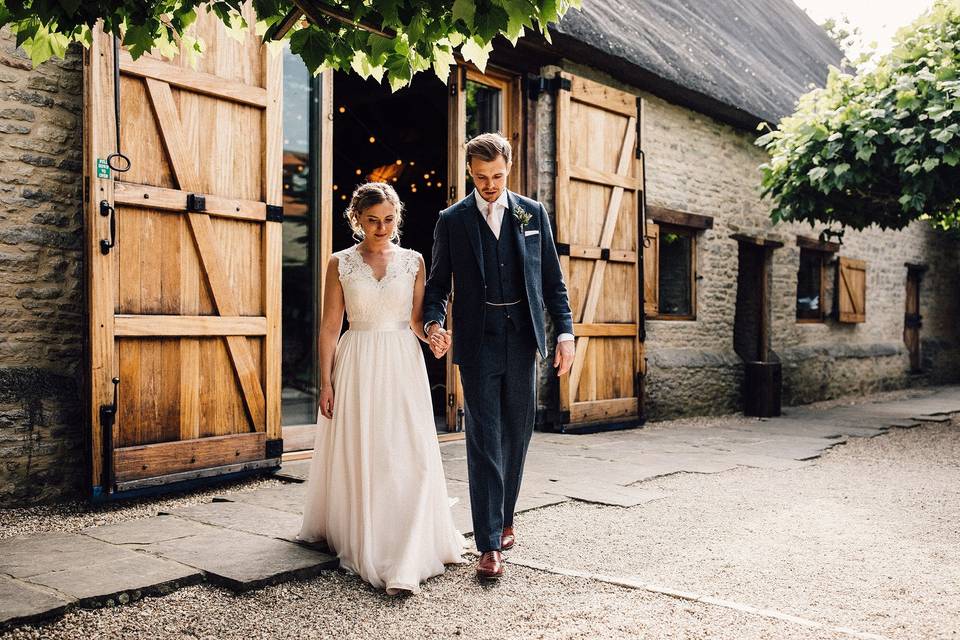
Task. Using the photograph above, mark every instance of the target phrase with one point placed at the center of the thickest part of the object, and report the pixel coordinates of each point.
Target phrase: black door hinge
(196, 203)
(274, 213)
(538, 84)
(108, 416)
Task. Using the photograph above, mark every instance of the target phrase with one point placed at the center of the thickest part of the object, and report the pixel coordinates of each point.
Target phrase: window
(670, 263)
(810, 296)
(675, 283)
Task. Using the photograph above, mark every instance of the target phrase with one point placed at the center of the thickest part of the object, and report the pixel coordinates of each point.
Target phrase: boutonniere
(522, 215)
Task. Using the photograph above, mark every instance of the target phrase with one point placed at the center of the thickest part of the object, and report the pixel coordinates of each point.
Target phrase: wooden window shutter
(651, 269)
(851, 290)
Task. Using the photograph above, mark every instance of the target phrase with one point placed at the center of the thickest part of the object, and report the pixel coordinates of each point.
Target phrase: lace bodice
(369, 300)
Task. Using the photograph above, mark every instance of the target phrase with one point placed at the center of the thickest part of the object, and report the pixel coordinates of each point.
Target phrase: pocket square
(531, 233)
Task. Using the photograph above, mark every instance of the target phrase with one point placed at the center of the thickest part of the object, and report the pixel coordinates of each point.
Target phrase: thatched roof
(743, 60)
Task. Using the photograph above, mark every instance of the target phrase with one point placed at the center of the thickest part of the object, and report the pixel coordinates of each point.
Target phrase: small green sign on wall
(103, 169)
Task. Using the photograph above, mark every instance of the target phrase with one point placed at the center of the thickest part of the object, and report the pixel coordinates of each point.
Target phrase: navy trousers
(499, 399)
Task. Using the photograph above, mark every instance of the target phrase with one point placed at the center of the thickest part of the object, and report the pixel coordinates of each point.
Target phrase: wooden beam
(817, 245)
(602, 96)
(605, 329)
(163, 199)
(603, 410)
(195, 81)
(679, 218)
(174, 326)
(163, 458)
(760, 242)
(605, 178)
(272, 240)
(587, 252)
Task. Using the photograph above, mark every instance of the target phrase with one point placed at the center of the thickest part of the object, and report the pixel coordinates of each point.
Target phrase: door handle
(106, 209)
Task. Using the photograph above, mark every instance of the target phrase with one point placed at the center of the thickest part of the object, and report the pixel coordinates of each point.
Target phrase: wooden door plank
(101, 270)
(562, 203)
(195, 81)
(187, 177)
(605, 329)
(272, 250)
(592, 298)
(600, 410)
(144, 461)
(128, 325)
(605, 178)
(163, 199)
(601, 96)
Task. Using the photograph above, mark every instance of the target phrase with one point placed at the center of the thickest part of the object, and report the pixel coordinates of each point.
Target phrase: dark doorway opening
(762, 380)
(401, 139)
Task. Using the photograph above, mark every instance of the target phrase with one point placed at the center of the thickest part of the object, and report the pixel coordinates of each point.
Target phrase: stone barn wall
(42, 451)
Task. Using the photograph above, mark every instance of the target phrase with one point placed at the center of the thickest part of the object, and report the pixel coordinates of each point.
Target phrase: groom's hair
(487, 146)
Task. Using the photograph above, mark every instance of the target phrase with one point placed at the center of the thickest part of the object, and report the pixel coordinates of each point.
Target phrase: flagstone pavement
(245, 539)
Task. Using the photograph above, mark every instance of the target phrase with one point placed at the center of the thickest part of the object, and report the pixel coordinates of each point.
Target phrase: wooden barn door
(598, 182)
(185, 302)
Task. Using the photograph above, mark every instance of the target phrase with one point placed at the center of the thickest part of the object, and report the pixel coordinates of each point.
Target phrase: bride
(376, 491)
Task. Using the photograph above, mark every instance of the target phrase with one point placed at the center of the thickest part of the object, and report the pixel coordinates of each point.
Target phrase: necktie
(492, 219)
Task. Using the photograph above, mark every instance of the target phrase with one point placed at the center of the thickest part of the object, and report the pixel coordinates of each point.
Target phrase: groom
(499, 248)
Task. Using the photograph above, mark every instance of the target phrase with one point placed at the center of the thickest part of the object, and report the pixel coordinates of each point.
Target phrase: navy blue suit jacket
(457, 253)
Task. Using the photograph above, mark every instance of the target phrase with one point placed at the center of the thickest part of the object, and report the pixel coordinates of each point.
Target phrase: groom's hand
(563, 360)
(439, 340)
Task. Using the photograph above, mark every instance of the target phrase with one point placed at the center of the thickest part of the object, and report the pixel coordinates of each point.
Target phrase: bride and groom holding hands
(376, 493)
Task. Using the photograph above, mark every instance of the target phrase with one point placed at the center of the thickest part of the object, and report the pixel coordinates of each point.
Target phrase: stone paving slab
(241, 560)
(22, 602)
(87, 571)
(243, 516)
(297, 470)
(146, 531)
(290, 497)
(237, 559)
(124, 579)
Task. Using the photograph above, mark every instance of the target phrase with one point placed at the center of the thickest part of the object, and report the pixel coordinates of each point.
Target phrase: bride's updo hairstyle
(368, 195)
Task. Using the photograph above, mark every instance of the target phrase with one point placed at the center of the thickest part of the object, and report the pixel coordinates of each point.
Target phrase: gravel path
(526, 605)
(867, 537)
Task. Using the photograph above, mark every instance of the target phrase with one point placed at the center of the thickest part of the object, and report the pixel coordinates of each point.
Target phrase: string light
(426, 176)
(358, 172)
(428, 184)
(343, 196)
(412, 163)
(432, 171)
(342, 109)
(335, 187)
(372, 139)
(399, 161)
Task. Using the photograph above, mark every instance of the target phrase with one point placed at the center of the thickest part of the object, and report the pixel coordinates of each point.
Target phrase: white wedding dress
(376, 491)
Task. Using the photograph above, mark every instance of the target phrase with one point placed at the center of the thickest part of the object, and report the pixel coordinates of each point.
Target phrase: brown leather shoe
(490, 566)
(507, 539)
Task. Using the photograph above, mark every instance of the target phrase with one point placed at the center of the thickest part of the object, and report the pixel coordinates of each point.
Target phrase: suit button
(501, 264)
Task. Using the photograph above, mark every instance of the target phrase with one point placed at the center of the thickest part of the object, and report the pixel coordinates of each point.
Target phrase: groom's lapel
(471, 220)
(510, 221)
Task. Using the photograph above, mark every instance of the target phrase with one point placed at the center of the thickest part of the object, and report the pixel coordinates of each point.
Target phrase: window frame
(692, 233)
(823, 257)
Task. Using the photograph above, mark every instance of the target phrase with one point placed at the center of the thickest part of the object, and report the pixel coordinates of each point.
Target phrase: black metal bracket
(538, 84)
(605, 254)
(274, 213)
(274, 448)
(563, 249)
(638, 153)
(196, 203)
(106, 209)
(108, 416)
